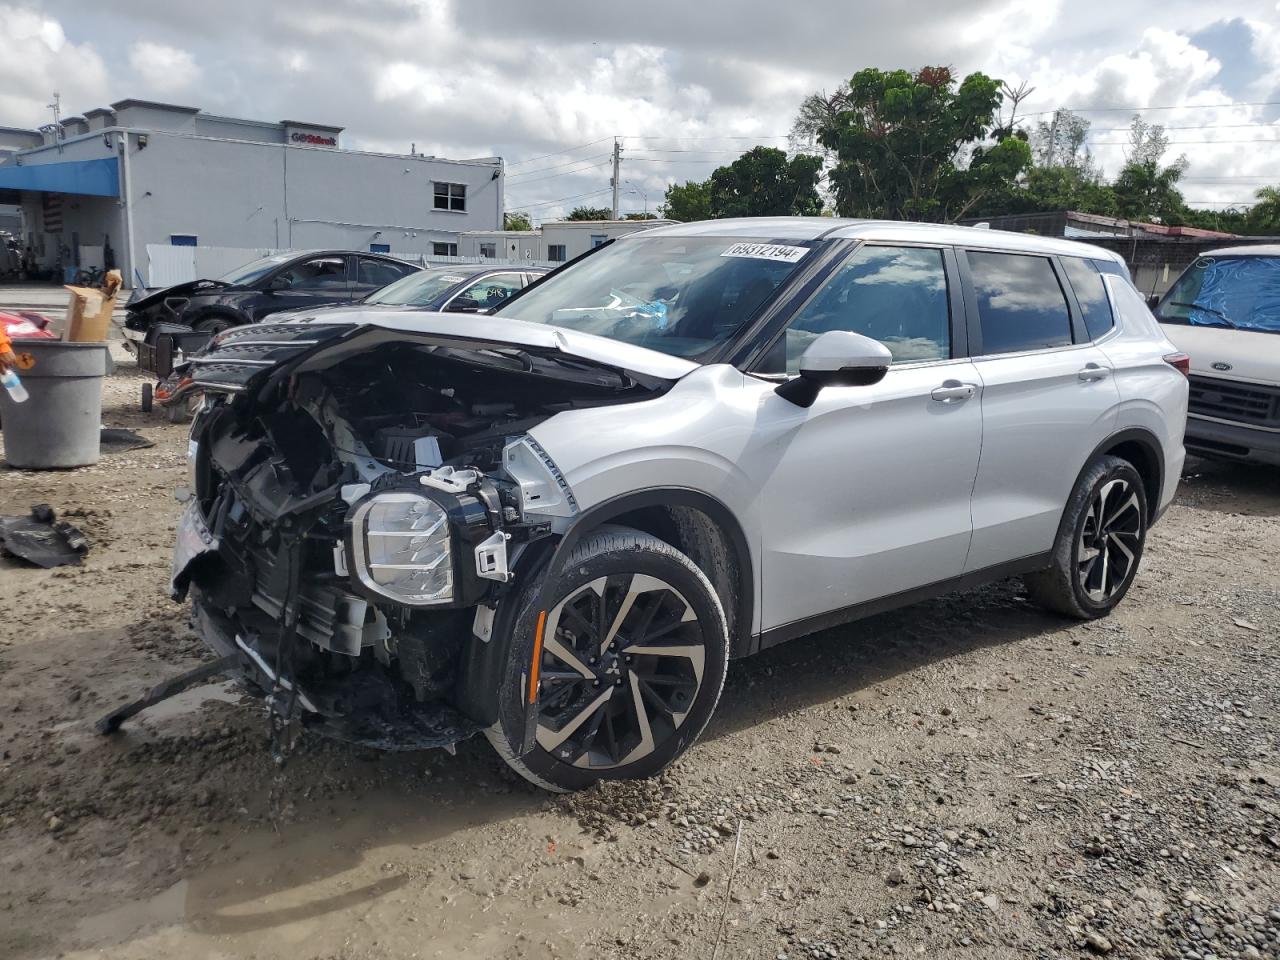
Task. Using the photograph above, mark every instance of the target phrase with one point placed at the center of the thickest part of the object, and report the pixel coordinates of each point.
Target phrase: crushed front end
(360, 503)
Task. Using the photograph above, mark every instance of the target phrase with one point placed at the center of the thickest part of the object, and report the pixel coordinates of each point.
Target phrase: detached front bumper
(1227, 441)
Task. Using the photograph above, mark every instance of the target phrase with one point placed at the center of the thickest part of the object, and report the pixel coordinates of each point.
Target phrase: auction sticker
(766, 251)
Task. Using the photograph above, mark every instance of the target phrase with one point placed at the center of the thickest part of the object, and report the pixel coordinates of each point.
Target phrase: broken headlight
(402, 548)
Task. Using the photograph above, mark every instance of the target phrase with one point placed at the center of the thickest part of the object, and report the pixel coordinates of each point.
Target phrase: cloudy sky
(687, 85)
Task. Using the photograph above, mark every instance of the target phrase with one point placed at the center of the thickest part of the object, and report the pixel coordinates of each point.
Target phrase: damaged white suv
(558, 524)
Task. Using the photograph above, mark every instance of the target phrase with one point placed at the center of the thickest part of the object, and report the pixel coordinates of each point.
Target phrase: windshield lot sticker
(766, 251)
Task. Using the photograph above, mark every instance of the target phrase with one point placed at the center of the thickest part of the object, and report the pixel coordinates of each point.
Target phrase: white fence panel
(169, 265)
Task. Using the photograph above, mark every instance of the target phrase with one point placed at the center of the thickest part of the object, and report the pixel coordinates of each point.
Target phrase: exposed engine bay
(358, 508)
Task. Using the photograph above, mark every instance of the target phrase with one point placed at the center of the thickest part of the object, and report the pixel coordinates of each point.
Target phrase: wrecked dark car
(161, 324)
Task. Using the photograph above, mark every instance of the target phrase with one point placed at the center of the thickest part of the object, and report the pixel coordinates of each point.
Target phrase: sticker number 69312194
(766, 251)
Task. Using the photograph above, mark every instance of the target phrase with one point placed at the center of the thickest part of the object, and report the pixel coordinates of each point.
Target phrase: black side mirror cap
(804, 389)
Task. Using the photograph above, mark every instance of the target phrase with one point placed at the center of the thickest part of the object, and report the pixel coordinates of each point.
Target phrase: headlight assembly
(417, 544)
(402, 548)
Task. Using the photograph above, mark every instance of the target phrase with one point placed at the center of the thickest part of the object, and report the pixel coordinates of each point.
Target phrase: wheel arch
(699, 526)
(201, 314)
(1141, 448)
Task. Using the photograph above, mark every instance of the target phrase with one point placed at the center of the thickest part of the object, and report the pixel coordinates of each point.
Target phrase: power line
(762, 136)
(565, 173)
(1177, 106)
(557, 166)
(1195, 143)
(545, 203)
(559, 153)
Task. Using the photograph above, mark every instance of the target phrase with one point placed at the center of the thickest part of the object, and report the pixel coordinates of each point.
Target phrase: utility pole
(617, 174)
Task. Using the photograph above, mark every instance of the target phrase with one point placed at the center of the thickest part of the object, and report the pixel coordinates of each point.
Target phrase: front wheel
(623, 669)
(1099, 544)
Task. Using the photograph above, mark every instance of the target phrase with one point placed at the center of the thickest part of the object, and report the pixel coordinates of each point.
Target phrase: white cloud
(38, 61)
(163, 68)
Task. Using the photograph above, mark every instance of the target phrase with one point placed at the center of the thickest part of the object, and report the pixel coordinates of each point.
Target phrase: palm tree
(1265, 215)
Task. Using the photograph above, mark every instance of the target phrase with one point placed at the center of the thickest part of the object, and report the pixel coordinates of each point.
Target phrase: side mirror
(838, 358)
(281, 282)
(1153, 301)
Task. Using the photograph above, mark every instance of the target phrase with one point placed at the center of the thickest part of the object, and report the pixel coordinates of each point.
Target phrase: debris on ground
(42, 539)
(120, 440)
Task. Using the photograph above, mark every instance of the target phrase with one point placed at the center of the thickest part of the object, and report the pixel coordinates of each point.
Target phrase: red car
(24, 325)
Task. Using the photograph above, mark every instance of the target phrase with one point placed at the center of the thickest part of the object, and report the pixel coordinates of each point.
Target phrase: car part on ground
(415, 526)
(40, 538)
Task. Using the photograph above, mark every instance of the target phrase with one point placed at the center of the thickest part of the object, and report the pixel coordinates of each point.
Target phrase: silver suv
(558, 524)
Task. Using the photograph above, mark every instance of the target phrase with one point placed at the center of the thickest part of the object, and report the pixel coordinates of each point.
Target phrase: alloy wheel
(622, 662)
(1107, 550)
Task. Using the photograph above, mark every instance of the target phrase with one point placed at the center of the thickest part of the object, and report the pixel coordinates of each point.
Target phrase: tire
(589, 728)
(1094, 566)
(148, 397)
(213, 325)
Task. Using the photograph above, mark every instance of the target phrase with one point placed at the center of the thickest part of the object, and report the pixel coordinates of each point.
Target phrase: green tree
(518, 220)
(763, 182)
(1264, 217)
(1063, 142)
(688, 202)
(1144, 189)
(917, 146)
(590, 213)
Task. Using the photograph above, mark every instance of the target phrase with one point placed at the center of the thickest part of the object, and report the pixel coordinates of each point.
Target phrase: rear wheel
(632, 658)
(1099, 545)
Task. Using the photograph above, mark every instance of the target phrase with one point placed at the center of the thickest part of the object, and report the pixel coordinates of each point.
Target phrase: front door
(1048, 401)
(310, 283)
(867, 492)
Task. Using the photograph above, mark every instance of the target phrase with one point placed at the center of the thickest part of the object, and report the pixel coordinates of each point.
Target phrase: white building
(554, 242)
(142, 173)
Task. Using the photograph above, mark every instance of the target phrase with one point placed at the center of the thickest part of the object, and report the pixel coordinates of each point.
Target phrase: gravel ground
(967, 778)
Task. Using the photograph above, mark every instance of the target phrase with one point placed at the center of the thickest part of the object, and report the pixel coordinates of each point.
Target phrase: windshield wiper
(1197, 306)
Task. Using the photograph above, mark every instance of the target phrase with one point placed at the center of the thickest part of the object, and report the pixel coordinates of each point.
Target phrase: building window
(182, 240)
(556, 253)
(598, 239)
(451, 196)
(489, 250)
(444, 249)
(379, 248)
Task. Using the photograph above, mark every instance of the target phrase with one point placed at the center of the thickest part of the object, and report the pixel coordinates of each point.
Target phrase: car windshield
(1237, 292)
(417, 289)
(256, 270)
(679, 295)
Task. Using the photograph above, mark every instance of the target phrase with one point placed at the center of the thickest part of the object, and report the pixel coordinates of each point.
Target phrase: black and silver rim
(622, 662)
(1109, 540)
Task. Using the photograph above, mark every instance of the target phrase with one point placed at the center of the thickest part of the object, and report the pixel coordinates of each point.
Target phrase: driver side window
(490, 292)
(323, 273)
(896, 295)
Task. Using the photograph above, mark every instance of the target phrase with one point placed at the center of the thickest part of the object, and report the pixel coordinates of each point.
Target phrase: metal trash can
(60, 424)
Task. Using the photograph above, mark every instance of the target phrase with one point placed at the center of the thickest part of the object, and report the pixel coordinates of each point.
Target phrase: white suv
(558, 524)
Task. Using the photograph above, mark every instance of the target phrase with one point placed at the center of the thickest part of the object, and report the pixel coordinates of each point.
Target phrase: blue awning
(93, 178)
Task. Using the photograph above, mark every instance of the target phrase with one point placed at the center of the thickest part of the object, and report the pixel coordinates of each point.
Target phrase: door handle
(1093, 371)
(953, 391)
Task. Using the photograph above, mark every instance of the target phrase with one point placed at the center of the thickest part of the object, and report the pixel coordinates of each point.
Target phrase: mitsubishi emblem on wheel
(556, 525)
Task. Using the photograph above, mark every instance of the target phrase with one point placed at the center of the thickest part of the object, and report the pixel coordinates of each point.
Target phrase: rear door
(374, 273)
(1049, 399)
(870, 493)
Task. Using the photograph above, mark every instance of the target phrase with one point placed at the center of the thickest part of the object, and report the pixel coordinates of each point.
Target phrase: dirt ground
(967, 778)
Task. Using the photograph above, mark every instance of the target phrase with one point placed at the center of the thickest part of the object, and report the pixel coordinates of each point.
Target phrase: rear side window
(1021, 305)
(1090, 293)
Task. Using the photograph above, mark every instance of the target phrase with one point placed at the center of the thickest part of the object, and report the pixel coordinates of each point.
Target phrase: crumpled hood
(142, 299)
(237, 357)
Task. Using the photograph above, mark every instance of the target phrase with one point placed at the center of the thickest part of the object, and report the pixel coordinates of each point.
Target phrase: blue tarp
(1243, 290)
(93, 178)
